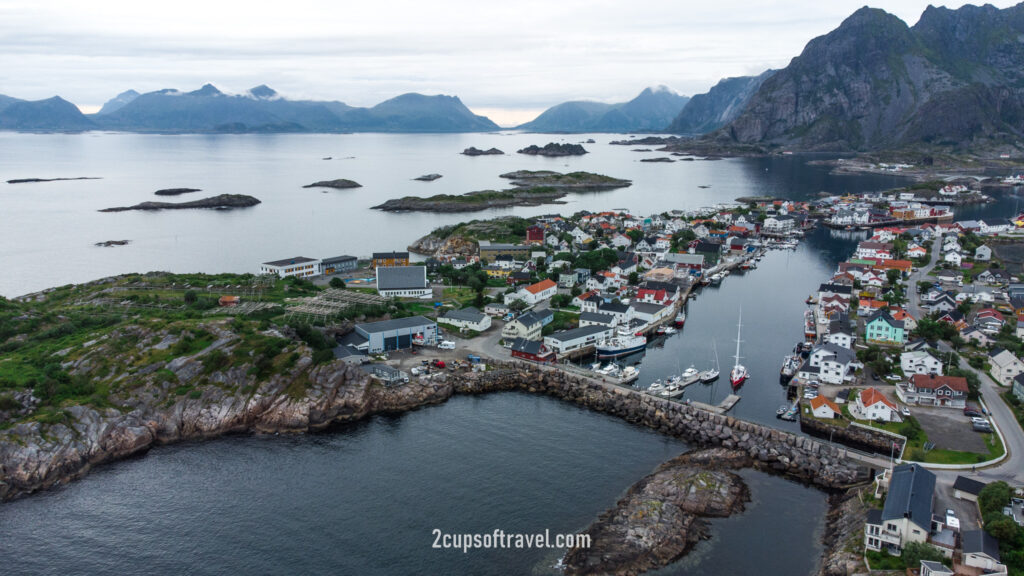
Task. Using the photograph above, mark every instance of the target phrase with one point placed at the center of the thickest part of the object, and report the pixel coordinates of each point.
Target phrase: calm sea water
(364, 500)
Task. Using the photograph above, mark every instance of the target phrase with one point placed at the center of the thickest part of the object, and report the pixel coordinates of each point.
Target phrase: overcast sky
(508, 60)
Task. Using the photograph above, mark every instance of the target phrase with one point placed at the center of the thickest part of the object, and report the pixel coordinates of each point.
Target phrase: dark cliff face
(718, 106)
(874, 82)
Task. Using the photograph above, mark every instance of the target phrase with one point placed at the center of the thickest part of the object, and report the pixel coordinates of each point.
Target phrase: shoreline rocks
(339, 184)
(176, 191)
(110, 243)
(659, 159)
(553, 150)
(473, 151)
(427, 177)
(220, 202)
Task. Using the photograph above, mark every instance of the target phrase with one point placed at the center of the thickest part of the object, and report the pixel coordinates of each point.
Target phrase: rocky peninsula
(427, 177)
(658, 159)
(220, 202)
(532, 188)
(474, 151)
(176, 191)
(554, 150)
(339, 184)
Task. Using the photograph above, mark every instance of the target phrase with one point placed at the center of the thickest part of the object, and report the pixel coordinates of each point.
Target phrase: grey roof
(613, 307)
(527, 346)
(647, 307)
(969, 485)
(874, 516)
(288, 261)
(401, 277)
(353, 338)
(469, 314)
(980, 542)
(337, 259)
(381, 255)
(844, 355)
(886, 317)
(911, 490)
(936, 567)
(530, 318)
(657, 285)
(835, 288)
(396, 324)
(577, 333)
(342, 352)
(597, 318)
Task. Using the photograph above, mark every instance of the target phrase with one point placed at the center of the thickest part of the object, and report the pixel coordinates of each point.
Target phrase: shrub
(337, 283)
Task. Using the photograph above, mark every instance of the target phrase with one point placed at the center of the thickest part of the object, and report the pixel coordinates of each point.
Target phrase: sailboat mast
(739, 328)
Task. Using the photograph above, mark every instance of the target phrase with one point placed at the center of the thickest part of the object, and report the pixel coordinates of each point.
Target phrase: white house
(778, 224)
(953, 258)
(919, 362)
(933, 390)
(468, 318)
(834, 364)
(841, 337)
(873, 405)
(1005, 366)
(298, 266)
(906, 515)
(822, 407)
(983, 253)
(534, 293)
(403, 281)
(577, 338)
(981, 550)
(528, 326)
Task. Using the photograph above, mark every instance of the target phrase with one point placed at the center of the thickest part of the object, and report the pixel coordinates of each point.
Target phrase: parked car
(446, 345)
(979, 420)
(972, 411)
(437, 363)
(904, 411)
(893, 377)
(981, 427)
(875, 377)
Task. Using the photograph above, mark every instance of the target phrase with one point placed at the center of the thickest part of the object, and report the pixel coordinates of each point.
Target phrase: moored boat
(680, 318)
(790, 366)
(620, 345)
(689, 376)
(629, 374)
(738, 375)
(810, 331)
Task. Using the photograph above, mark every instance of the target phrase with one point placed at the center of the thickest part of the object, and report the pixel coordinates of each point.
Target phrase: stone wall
(856, 437)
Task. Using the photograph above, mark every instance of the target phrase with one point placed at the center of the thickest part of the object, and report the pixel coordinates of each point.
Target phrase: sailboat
(711, 374)
(739, 374)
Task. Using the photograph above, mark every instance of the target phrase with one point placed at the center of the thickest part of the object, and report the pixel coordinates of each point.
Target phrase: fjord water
(48, 230)
(364, 500)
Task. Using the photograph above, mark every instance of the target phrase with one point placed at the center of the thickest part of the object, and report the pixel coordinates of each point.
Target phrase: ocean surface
(363, 499)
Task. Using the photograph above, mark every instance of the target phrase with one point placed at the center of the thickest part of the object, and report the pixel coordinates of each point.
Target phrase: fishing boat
(622, 344)
(810, 300)
(716, 279)
(790, 366)
(810, 331)
(782, 410)
(791, 413)
(689, 376)
(680, 318)
(739, 373)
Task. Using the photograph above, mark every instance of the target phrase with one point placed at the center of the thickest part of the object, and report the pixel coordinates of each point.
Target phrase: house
(338, 265)
(934, 390)
(387, 375)
(467, 319)
(534, 234)
(841, 337)
(901, 315)
(983, 253)
(389, 259)
(534, 293)
(977, 337)
(528, 326)
(298, 266)
(533, 350)
(965, 488)
(692, 264)
(623, 313)
(834, 364)
(822, 407)
(953, 258)
(598, 319)
(778, 224)
(1005, 366)
(492, 250)
(569, 341)
(652, 313)
(993, 276)
(920, 362)
(944, 303)
(518, 277)
(931, 568)
(981, 550)
(917, 252)
(1018, 387)
(988, 320)
(396, 334)
(873, 405)
(907, 514)
(567, 279)
(496, 309)
(403, 282)
(881, 328)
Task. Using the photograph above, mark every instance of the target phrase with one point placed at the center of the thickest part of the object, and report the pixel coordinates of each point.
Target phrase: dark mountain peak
(718, 106)
(207, 90)
(263, 92)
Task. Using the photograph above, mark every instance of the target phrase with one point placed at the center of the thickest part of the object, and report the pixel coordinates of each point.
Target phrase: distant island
(176, 191)
(553, 149)
(35, 180)
(473, 151)
(532, 188)
(340, 183)
(427, 177)
(221, 202)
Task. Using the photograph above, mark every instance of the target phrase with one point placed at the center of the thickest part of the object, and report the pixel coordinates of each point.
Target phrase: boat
(655, 387)
(810, 300)
(629, 374)
(680, 318)
(689, 376)
(782, 410)
(711, 374)
(611, 369)
(716, 279)
(670, 330)
(672, 391)
(810, 331)
(620, 345)
(660, 331)
(595, 366)
(791, 413)
(790, 366)
(739, 373)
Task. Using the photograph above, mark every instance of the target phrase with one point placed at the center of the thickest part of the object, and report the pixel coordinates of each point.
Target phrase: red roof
(871, 396)
(931, 382)
(990, 313)
(540, 286)
(899, 314)
(819, 401)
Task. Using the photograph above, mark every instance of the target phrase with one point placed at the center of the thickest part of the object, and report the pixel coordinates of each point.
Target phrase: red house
(534, 235)
(533, 350)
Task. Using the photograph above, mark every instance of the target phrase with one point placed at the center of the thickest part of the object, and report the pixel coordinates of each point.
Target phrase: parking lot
(949, 429)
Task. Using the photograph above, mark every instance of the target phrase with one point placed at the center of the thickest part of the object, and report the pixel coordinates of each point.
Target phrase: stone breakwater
(34, 456)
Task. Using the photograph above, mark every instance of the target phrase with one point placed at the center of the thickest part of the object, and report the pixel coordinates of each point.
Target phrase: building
(569, 341)
(299, 266)
(467, 319)
(829, 363)
(403, 281)
(534, 235)
(397, 334)
(981, 550)
(933, 390)
(338, 265)
(533, 350)
(1005, 366)
(883, 329)
(651, 313)
(907, 514)
(966, 488)
(389, 376)
(492, 250)
(389, 259)
(983, 253)
(824, 408)
(919, 362)
(930, 568)
(528, 326)
(495, 309)
(873, 405)
(1018, 387)
(598, 319)
(534, 293)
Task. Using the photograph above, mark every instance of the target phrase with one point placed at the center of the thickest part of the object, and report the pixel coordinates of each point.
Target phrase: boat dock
(723, 406)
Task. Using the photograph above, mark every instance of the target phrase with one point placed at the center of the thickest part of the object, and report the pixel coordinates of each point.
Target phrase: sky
(508, 60)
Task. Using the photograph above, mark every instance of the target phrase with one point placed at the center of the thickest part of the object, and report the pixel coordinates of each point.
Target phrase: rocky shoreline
(220, 202)
(474, 151)
(176, 191)
(553, 150)
(338, 184)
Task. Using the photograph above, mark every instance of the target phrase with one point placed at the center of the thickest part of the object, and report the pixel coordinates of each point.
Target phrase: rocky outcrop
(37, 180)
(474, 151)
(663, 516)
(583, 181)
(427, 177)
(454, 245)
(659, 159)
(221, 202)
(844, 534)
(340, 184)
(554, 150)
(719, 106)
(176, 191)
(109, 243)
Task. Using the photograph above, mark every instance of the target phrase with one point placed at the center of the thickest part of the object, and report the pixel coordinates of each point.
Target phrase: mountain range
(261, 109)
(651, 110)
(718, 106)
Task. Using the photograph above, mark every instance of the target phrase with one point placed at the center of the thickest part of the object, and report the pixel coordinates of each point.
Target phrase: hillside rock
(718, 106)
(554, 149)
(474, 151)
(221, 202)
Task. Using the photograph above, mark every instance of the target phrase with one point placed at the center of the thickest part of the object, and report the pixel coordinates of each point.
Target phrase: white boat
(716, 279)
(621, 345)
(689, 376)
(655, 387)
(629, 374)
(711, 374)
(595, 366)
(739, 373)
(670, 330)
(672, 391)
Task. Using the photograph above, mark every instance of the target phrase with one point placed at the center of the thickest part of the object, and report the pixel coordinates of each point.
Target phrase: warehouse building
(397, 334)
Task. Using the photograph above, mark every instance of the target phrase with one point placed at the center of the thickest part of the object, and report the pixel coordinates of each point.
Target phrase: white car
(446, 345)
(905, 411)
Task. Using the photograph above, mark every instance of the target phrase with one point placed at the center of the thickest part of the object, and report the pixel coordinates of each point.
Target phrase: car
(875, 377)
(972, 412)
(893, 377)
(446, 345)
(981, 427)
(950, 513)
(979, 421)
(904, 411)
